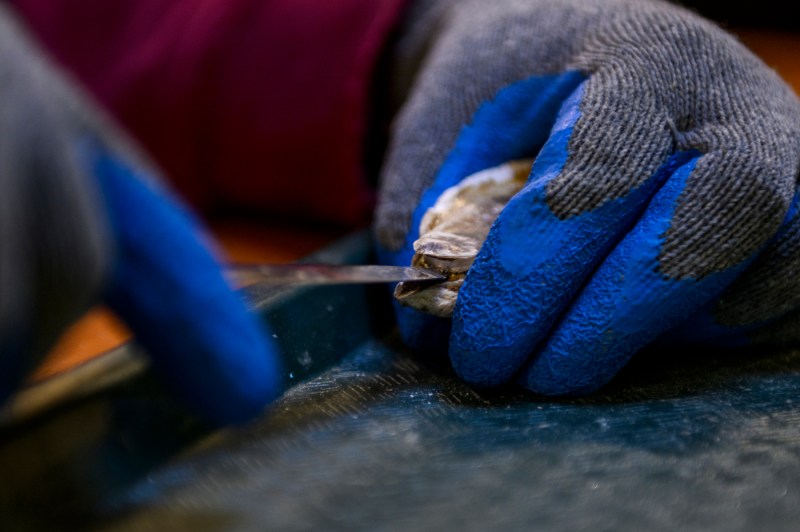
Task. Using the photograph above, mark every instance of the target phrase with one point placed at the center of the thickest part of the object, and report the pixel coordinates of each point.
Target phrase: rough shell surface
(453, 231)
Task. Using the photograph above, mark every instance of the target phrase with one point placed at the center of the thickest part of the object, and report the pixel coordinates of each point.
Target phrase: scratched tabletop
(385, 441)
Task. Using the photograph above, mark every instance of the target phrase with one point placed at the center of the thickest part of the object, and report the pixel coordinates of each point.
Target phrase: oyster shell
(453, 231)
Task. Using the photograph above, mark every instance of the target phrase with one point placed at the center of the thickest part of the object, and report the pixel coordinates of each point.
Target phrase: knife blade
(319, 274)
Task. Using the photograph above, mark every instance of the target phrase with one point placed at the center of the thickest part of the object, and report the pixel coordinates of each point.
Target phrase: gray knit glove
(660, 201)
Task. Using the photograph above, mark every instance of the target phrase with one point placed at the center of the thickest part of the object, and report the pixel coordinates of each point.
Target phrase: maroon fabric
(255, 103)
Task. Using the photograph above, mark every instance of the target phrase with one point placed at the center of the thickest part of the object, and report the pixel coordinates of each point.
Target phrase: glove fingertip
(560, 375)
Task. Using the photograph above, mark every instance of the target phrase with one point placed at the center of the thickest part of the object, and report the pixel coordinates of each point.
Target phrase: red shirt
(245, 103)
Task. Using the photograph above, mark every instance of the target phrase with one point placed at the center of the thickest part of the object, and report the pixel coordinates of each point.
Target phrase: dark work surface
(383, 441)
(373, 437)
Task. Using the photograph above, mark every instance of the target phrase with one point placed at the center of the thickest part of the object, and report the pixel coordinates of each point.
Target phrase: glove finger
(167, 287)
(551, 236)
(513, 125)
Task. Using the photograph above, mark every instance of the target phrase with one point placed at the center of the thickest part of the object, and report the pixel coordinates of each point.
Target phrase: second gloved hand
(667, 158)
(83, 218)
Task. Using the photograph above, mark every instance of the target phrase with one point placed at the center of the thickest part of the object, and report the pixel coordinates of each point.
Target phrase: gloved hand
(83, 216)
(667, 159)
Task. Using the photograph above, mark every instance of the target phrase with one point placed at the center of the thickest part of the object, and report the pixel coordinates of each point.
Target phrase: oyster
(453, 231)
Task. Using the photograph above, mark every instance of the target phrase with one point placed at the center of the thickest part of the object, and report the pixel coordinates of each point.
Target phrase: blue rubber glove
(666, 161)
(83, 219)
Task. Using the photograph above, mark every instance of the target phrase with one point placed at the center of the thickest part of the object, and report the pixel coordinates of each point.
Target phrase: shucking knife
(317, 274)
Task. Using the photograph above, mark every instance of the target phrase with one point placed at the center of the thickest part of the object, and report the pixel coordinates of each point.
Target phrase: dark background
(776, 14)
